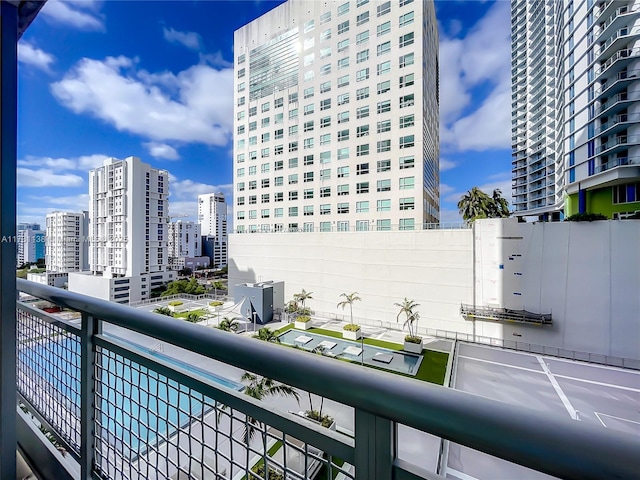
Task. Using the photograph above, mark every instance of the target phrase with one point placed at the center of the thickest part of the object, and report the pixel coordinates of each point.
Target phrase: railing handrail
(555, 446)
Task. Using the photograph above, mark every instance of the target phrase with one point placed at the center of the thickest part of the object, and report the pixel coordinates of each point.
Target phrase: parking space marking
(554, 383)
(598, 415)
(501, 364)
(593, 382)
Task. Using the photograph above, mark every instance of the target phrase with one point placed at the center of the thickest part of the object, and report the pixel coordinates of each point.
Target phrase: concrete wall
(587, 275)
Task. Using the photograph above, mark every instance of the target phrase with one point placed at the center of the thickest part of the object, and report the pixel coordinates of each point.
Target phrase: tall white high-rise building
(67, 242)
(576, 107)
(336, 107)
(212, 217)
(185, 245)
(128, 243)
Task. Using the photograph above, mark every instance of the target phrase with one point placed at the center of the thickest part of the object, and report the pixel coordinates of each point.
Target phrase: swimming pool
(138, 406)
(394, 360)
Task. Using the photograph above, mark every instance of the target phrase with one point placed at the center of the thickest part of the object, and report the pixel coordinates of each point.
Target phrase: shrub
(215, 304)
(585, 217)
(303, 319)
(273, 474)
(351, 327)
(412, 339)
(175, 304)
(325, 420)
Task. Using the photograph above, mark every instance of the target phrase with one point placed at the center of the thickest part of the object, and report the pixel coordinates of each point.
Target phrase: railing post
(8, 116)
(375, 446)
(90, 326)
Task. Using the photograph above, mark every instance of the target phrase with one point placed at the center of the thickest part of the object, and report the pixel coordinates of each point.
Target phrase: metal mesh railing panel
(150, 426)
(48, 374)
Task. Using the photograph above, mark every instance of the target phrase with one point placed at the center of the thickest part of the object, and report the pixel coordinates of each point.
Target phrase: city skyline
(106, 89)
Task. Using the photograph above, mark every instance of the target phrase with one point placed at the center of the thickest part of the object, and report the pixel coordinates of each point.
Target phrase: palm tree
(474, 204)
(229, 324)
(260, 388)
(268, 335)
(217, 285)
(406, 307)
(302, 297)
(499, 205)
(193, 317)
(348, 300)
(164, 311)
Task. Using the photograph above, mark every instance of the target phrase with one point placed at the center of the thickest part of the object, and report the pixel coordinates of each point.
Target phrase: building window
(293, 195)
(407, 101)
(407, 80)
(343, 63)
(406, 60)
(363, 130)
(325, 174)
(343, 153)
(406, 40)
(293, 179)
(384, 48)
(343, 28)
(308, 143)
(384, 87)
(342, 99)
(626, 193)
(293, 211)
(278, 165)
(344, 8)
(384, 165)
(264, 198)
(383, 146)
(293, 146)
(362, 18)
(407, 183)
(343, 45)
(362, 37)
(309, 26)
(362, 112)
(308, 92)
(343, 117)
(362, 169)
(362, 56)
(362, 187)
(326, 104)
(240, 186)
(407, 121)
(325, 209)
(406, 19)
(384, 205)
(325, 87)
(384, 106)
(384, 185)
(343, 189)
(362, 93)
(325, 157)
(362, 150)
(278, 197)
(293, 97)
(278, 102)
(325, 17)
(362, 75)
(308, 193)
(343, 208)
(384, 8)
(343, 81)
(325, 139)
(343, 172)
(309, 109)
(343, 135)
(407, 141)
(325, 122)
(253, 199)
(407, 203)
(325, 192)
(406, 162)
(308, 210)
(293, 162)
(384, 28)
(264, 213)
(308, 126)
(362, 207)
(278, 181)
(384, 67)
(407, 224)
(383, 225)
(325, 69)
(325, 226)
(308, 159)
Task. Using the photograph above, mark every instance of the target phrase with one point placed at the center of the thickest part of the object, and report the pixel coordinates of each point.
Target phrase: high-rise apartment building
(185, 245)
(67, 242)
(336, 107)
(576, 107)
(30, 243)
(212, 217)
(128, 243)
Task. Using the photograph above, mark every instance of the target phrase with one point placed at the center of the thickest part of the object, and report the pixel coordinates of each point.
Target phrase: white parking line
(501, 364)
(620, 387)
(598, 415)
(554, 383)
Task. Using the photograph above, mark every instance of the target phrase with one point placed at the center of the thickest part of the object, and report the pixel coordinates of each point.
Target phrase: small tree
(229, 324)
(348, 300)
(268, 335)
(406, 308)
(164, 311)
(302, 297)
(217, 285)
(193, 317)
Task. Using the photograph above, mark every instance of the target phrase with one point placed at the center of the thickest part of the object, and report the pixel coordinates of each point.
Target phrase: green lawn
(200, 312)
(432, 368)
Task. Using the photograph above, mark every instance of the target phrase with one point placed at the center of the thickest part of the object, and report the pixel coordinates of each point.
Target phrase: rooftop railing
(121, 411)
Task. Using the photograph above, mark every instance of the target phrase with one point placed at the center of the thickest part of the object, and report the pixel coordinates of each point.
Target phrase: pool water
(394, 360)
(138, 406)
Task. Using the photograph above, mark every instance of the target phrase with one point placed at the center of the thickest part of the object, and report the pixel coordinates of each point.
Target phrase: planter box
(330, 427)
(413, 347)
(302, 325)
(351, 335)
(176, 308)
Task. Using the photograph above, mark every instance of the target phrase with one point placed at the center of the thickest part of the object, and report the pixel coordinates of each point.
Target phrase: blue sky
(154, 79)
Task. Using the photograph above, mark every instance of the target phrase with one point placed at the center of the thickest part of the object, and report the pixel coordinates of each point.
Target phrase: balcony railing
(616, 162)
(122, 411)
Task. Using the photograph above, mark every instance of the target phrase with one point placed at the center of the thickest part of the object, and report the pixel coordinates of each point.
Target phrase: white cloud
(162, 150)
(446, 164)
(72, 202)
(199, 108)
(480, 60)
(83, 163)
(445, 189)
(183, 197)
(189, 39)
(47, 178)
(30, 55)
(501, 181)
(73, 14)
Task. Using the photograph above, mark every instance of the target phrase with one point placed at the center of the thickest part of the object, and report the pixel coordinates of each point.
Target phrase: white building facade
(185, 246)
(576, 107)
(128, 229)
(67, 246)
(212, 217)
(337, 120)
(30, 243)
